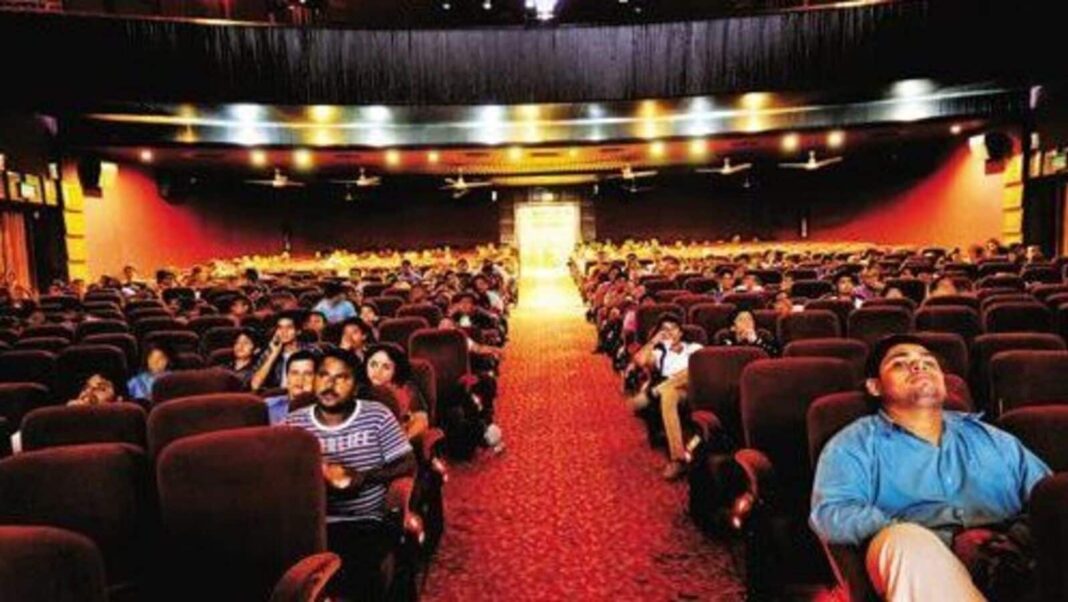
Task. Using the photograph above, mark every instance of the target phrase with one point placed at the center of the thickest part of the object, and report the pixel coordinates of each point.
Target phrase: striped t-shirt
(369, 439)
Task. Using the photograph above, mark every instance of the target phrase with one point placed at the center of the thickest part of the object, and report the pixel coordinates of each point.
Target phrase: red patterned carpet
(574, 509)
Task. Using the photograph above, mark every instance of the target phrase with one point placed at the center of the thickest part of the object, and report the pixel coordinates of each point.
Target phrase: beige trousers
(908, 563)
(672, 392)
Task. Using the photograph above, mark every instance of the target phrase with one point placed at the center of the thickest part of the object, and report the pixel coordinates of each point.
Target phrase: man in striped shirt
(364, 448)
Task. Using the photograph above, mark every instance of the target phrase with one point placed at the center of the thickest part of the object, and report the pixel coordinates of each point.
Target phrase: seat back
(700, 285)
(714, 380)
(1026, 377)
(713, 317)
(446, 351)
(841, 308)
(746, 301)
(428, 311)
(775, 397)
(1017, 317)
(51, 344)
(669, 295)
(1001, 281)
(101, 491)
(1043, 430)
(238, 509)
(187, 383)
(399, 330)
(870, 324)
(387, 305)
(986, 346)
(952, 300)
(187, 416)
(180, 341)
(19, 399)
(902, 302)
(48, 330)
(61, 426)
(1048, 510)
(46, 564)
(218, 337)
(425, 380)
(811, 289)
(957, 319)
(92, 327)
(28, 365)
(125, 342)
(78, 362)
(808, 324)
(852, 351)
(202, 324)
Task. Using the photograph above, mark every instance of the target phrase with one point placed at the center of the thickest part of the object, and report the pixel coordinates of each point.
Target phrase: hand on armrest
(759, 487)
(399, 507)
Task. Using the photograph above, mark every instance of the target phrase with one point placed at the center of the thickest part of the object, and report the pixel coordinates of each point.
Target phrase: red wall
(956, 205)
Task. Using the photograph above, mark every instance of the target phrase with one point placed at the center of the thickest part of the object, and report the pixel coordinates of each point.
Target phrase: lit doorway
(546, 234)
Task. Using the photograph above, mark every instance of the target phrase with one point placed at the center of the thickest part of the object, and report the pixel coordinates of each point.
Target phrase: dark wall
(27, 140)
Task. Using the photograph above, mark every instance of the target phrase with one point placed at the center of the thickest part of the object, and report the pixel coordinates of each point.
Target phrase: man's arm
(843, 511)
(348, 482)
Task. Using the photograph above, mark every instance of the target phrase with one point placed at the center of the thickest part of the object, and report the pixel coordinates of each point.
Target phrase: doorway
(546, 234)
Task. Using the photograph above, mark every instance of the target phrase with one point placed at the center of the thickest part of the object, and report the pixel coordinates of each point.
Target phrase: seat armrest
(399, 508)
(759, 485)
(305, 580)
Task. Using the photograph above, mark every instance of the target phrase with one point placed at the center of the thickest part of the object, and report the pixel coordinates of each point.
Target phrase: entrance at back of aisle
(546, 234)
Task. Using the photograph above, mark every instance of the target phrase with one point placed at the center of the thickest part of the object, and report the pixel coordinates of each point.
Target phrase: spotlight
(146, 155)
(433, 157)
(791, 142)
(392, 158)
(258, 158)
(836, 139)
(247, 113)
(572, 152)
(956, 129)
(656, 149)
(515, 153)
(911, 88)
(698, 147)
(487, 5)
(322, 113)
(302, 158)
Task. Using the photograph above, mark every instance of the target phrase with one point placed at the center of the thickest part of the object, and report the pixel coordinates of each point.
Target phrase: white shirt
(672, 362)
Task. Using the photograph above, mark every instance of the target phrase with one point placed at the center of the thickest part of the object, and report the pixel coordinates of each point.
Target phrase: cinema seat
(1049, 520)
(986, 346)
(59, 426)
(649, 315)
(19, 399)
(870, 324)
(92, 327)
(951, 350)
(48, 330)
(1017, 317)
(47, 564)
(187, 383)
(746, 301)
(50, 344)
(387, 306)
(808, 324)
(428, 311)
(399, 330)
(852, 351)
(811, 289)
(218, 337)
(179, 341)
(28, 365)
(713, 317)
(202, 324)
(841, 308)
(125, 342)
(187, 416)
(700, 285)
(714, 380)
(1043, 429)
(1025, 377)
(956, 319)
(78, 362)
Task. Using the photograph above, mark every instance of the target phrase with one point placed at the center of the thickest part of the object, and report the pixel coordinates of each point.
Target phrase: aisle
(574, 509)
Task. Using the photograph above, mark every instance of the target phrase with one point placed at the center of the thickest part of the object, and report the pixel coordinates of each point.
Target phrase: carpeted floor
(575, 508)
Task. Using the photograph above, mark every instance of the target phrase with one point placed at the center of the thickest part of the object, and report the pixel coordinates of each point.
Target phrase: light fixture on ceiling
(572, 153)
(911, 88)
(698, 147)
(956, 129)
(393, 157)
(146, 155)
(433, 157)
(302, 158)
(656, 149)
(246, 113)
(791, 142)
(836, 138)
(322, 113)
(515, 154)
(258, 158)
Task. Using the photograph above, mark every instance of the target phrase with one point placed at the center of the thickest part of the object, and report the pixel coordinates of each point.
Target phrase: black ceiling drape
(58, 58)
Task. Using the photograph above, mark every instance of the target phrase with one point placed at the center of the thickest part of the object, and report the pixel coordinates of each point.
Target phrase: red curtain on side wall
(14, 249)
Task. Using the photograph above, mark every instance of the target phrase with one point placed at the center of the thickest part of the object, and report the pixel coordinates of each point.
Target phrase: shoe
(674, 470)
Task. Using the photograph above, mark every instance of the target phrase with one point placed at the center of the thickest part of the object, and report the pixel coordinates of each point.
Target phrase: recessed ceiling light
(392, 158)
(302, 158)
(258, 158)
(791, 142)
(146, 155)
(836, 138)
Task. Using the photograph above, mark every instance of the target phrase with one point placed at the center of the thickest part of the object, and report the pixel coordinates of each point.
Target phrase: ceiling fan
(280, 180)
(627, 174)
(812, 164)
(726, 169)
(459, 186)
(364, 181)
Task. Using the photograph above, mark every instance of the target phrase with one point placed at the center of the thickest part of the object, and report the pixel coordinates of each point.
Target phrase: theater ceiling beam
(55, 58)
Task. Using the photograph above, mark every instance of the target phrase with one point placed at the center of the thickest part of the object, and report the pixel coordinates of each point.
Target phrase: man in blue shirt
(334, 306)
(915, 482)
(300, 382)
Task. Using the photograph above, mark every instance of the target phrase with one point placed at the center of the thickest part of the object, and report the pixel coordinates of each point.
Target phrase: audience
(388, 367)
(158, 360)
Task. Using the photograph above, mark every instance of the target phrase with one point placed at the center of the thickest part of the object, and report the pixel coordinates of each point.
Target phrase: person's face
(466, 305)
(286, 331)
(845, 286)
(334, 383)
(368, 315)
(239, 308)
(157, 361)
(354, 335)
(672, 333)
(128, 272)
(315, 323)
(300, 378)
(380, 369)
(99, 389)
(909, 376)
(481, 285)
(743, 322)
(243, 347)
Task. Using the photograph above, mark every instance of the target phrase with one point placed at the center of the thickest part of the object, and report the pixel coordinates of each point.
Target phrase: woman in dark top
(388, 367)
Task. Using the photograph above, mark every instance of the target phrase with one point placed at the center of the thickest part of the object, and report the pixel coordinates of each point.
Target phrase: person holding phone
(271, 369)
(667, 356)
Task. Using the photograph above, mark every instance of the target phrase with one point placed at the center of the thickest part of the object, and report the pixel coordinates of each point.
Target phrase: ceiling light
(836, 138)
(596, 111)
(956, 129)
(246, 112)
(911, 88)
(530, 111)
(393, 158)
(433, 157)
(258, 158)
(146, 155)
(487, 5)
(545, 9)
(446, 6)
(648, 108)
(572, 152)
(302, 158)
(378, 114)
(754, 101)
(656, 149)
(791, 142)
(322, 113)
(515, 153)
(698, 147)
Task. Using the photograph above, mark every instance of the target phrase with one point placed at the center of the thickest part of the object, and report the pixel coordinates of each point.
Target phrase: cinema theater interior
(533, 301)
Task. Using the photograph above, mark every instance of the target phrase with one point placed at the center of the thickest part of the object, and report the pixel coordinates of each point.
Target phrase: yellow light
(392, 158)
(648, 108)
(791, 142)
(836, 138)
(656, 149)
(698, 147)
(649, 129)
(754, 101)
(515, 153)
(258, 158)
(323, 137)
(146, 156)
(302, 158)
(956, 129)
(755, 123)
(322, 113)
(433, 157)
(572, 152)
(187, 112)
(109, 172)
(187, 136)
(529, 111)
(532, 133)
